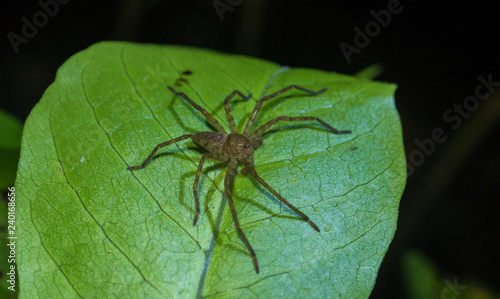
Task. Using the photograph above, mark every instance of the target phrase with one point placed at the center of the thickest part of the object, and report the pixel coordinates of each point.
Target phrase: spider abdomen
(211, 141)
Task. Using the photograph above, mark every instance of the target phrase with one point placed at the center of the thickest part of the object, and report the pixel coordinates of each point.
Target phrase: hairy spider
(236, 148)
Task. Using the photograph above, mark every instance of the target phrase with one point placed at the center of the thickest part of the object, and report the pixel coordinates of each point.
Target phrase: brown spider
(236, 147)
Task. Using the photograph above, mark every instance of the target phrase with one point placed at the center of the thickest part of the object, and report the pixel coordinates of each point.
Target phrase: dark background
(433, 51)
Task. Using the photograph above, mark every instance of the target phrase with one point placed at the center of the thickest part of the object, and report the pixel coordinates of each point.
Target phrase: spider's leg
(253, 115)
(232, 124)
(252, 171)
(158, 147)
(231, 171)
(195, 186)
(209, 117)
(258, 132)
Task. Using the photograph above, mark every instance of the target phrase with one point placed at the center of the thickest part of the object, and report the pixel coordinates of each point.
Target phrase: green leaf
(89, 227)
(421, 277)
(423, 280)
(371, 72)
(10, 143)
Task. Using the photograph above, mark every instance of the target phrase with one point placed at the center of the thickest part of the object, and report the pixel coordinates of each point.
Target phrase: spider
(234, 148)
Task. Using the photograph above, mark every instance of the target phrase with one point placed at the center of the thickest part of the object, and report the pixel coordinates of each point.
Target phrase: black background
(433, 51)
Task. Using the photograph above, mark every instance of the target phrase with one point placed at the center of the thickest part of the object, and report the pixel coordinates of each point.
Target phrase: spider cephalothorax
(239, 146)
(235, 147)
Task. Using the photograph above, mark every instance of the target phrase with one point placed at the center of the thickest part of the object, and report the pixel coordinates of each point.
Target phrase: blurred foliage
(423, 281)
(10, 143)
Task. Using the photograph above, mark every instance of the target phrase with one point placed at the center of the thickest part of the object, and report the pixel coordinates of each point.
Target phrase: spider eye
(247, 144)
